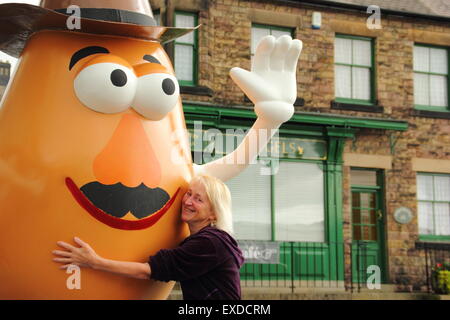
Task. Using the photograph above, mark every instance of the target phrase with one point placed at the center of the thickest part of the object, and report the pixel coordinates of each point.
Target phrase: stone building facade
(377, 150)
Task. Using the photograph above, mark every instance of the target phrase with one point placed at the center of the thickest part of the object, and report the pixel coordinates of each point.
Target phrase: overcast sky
(4, 56)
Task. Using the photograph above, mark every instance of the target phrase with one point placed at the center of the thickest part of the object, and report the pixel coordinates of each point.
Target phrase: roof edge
(361, 8)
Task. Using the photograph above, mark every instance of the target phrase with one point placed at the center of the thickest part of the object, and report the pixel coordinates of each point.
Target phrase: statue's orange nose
(128, 157)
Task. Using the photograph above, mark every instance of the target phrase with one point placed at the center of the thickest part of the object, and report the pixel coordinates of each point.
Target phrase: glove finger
(261, 60)
(278, 57)
(293, 55)
(249, 82)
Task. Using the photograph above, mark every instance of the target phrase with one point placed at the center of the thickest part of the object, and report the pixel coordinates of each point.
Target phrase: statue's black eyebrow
(151, 59)
(85, 52)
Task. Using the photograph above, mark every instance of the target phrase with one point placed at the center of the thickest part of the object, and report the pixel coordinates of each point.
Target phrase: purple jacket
(206, 264)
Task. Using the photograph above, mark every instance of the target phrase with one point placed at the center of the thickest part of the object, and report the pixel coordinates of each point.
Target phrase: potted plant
(440, 278)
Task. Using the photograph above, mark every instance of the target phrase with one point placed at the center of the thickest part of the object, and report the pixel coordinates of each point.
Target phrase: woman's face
(195, 206)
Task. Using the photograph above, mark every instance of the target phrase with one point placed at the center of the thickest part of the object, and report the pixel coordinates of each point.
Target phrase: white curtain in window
(438, 61)
(343, 82)
(250, 192)
(421, 89)
(425, 187)
(421, 59)
(184, 21)
(299, 202)
(425, 214)
(157, 18)
(442, 188)
(361, 83)
(362, 53)
(342, 50)
(184, 59)
(257, 35)
(442, 217)
(438, 91)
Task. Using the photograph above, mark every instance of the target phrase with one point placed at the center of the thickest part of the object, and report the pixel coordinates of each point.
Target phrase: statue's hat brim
(19, 21)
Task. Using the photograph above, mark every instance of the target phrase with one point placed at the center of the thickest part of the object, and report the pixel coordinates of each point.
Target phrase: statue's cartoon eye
(156, 95)
(106, 87)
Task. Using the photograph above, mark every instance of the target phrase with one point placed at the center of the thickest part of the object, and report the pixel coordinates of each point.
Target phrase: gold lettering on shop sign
(283, 148)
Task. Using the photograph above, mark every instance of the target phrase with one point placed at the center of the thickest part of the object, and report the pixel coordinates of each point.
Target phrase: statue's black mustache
(117, 200)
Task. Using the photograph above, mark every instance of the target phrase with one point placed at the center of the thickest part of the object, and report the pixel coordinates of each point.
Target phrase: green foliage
(440, 278)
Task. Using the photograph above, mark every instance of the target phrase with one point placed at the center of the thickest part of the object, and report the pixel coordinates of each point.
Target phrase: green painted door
(368, 245)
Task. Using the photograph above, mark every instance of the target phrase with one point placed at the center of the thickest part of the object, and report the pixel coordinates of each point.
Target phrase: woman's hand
(84, 256)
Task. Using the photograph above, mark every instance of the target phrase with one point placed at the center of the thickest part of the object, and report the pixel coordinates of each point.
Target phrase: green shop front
(287, 205)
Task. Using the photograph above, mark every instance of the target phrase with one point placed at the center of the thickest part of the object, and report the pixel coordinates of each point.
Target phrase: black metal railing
(359, 265)
(435, 255)
(331, 265)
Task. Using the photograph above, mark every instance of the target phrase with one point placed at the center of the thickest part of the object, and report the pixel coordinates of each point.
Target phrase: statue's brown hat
(127, 18)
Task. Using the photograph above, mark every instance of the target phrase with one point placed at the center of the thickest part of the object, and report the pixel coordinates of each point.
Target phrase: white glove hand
(272, 83)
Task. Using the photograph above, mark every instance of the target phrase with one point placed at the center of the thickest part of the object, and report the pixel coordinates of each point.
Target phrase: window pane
(365, 216)
(184, 68)
(425, 218)
(373, 233)
(257, 35)
(299, 202)
(424, 187)
(157, 17)
(279, 33)
(250, 192)
(184, 21)
(363, 178)
(421, 89)
(442, 217)
(356, 213)
(361, 83)
(373, 217)
(421, 59)
(343, 50)
(438, 61)
(366, 233)
(357, 233)
(438, 94)
(362, 53)
(343, 82)
(442, 188)
(366, 201)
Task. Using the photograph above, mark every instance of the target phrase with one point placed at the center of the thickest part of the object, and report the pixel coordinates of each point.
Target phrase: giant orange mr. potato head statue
(87, 141)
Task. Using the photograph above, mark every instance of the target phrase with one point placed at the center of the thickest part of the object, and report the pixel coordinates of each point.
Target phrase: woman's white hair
(220, 198)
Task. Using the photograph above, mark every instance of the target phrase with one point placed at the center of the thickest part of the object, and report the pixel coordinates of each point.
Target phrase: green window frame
(186, 43)
(433, 202)
(271, 30)
(353, 66)
(429, 74)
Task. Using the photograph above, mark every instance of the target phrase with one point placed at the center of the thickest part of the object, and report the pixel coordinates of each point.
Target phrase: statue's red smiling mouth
(110, 203)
